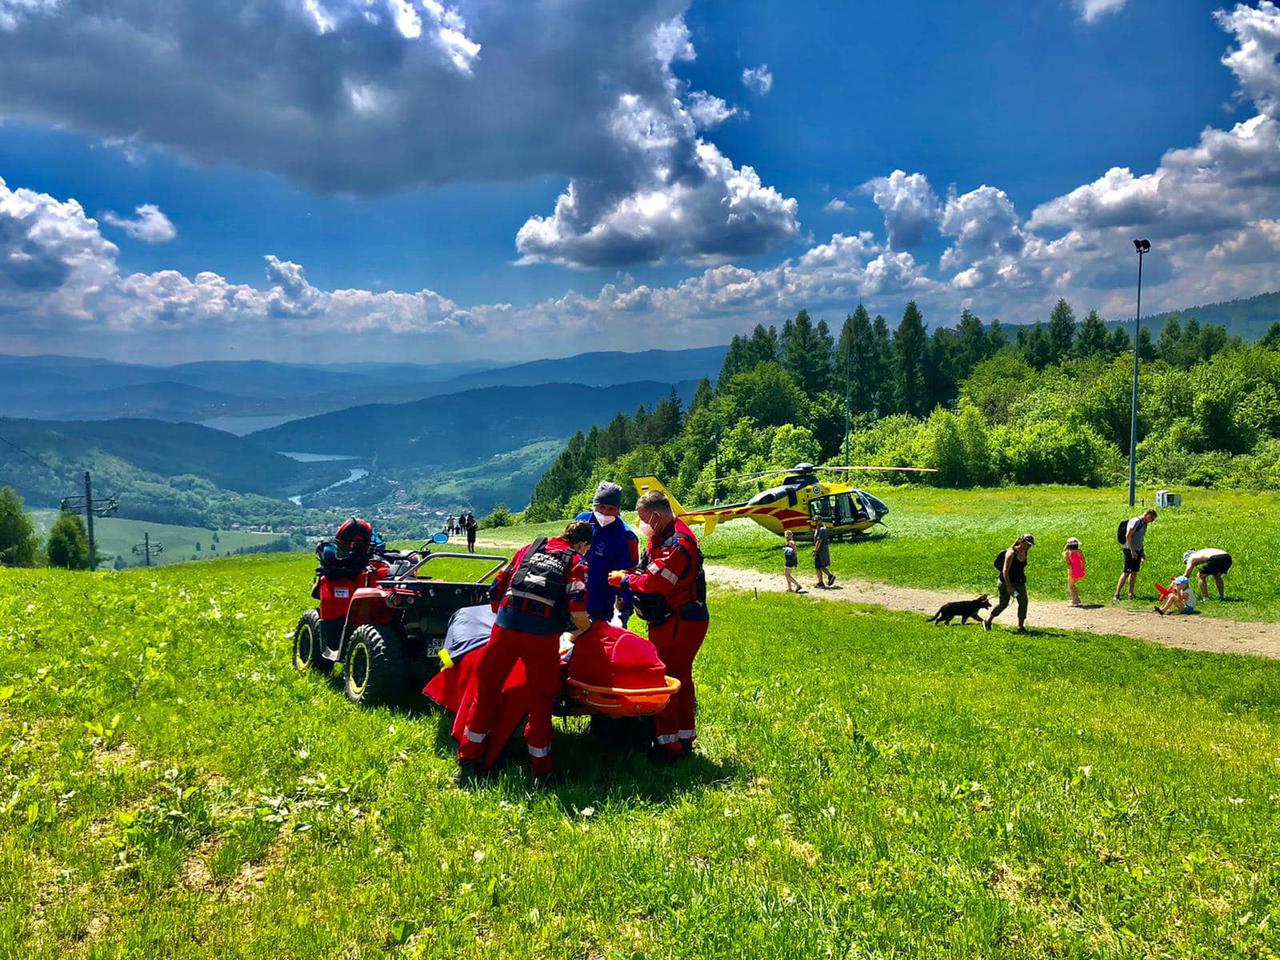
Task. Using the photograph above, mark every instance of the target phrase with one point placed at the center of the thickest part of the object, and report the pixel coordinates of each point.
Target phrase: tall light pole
(715, 483)
(1143, 247)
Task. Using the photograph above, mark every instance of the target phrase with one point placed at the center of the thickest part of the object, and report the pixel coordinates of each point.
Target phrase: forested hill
(169, 472)
(980, 403)
(461, 427)
(1250, 318)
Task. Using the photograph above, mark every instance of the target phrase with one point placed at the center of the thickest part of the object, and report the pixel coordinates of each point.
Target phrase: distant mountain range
(239, 395)
(462, 427)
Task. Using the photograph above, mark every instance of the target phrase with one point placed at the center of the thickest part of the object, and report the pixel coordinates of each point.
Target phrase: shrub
(68, 543)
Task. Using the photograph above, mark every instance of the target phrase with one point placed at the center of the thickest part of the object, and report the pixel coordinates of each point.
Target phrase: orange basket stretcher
(621, 701)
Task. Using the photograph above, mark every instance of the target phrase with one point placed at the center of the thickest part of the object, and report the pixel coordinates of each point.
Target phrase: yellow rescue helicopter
(795, 503)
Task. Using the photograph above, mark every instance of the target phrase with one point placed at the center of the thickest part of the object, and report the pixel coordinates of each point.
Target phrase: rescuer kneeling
(535, 595)
(670, 591)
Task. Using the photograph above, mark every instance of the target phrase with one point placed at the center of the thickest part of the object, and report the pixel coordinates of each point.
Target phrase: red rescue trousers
(541, 657)
(677, 642)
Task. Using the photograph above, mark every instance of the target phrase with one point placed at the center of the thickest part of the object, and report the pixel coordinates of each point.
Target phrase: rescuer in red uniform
(535, 596)
(670, 591)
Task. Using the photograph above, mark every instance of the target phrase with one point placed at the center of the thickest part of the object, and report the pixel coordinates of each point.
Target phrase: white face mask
(604, 519)
(645, 528)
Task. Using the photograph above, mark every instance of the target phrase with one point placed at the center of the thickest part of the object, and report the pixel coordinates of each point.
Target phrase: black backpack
(1122, 531)
(999, 561)
(543, 575)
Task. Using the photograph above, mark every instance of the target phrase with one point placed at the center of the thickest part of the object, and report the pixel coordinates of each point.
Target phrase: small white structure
(1167, 498)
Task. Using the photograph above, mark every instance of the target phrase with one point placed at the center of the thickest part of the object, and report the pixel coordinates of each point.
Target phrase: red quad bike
(387, 624)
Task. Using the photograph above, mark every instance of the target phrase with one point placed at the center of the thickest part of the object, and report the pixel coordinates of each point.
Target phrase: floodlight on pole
(1141, 247)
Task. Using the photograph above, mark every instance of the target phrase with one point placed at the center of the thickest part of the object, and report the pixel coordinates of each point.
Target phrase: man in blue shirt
(613, 547)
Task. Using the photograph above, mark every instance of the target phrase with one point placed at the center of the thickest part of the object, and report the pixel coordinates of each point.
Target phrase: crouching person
(670, 591)
(543, 587)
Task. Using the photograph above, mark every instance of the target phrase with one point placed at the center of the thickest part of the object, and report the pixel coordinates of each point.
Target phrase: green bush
(68, 543)
(18, 541)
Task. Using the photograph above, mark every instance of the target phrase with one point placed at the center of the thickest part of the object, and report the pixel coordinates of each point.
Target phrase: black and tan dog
(964, 609)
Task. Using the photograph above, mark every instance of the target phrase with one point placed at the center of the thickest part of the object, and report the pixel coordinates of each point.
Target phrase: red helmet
(354, 536)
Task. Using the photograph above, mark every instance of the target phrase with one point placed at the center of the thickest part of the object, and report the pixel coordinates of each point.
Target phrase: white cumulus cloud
(759, 80)
(1093, 10)
(369, 97)
(909, 206)
(148, 224)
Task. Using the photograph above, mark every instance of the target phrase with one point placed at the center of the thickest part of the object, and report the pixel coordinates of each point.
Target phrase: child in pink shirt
(1075, 568)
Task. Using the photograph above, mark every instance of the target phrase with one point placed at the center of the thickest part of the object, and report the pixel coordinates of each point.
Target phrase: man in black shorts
(1135, 536)
(1211, 562)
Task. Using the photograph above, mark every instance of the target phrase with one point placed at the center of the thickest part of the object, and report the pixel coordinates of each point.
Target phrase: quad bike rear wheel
(374, 669)
(306, 644)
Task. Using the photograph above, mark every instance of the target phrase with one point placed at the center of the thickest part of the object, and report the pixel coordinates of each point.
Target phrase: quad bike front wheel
(306, 644)
(374, 669)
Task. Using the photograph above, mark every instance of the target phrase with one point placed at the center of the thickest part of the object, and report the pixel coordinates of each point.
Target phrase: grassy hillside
(460, 427)
(116, 538)
(167, 472)
(867, 786)
(506, 478)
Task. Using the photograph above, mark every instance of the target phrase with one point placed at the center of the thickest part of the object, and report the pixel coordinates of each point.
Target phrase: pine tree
(997, 338)
(1092, 337)
(806, 353)
(940, 375)
(882, 351)
(858, 363)
(735, 361)
(1271, 339)
(763, 345)
(702, 396)
(973, 346)
(1169, 345)
(1033, 344)
(1062, 331)
(910, 352)
(1120, 342)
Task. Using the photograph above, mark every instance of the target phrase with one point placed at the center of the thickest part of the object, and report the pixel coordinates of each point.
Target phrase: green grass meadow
(116, 537)
(947, 539)
(866, 786)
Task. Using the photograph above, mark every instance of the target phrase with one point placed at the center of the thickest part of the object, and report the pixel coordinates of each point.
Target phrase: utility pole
(146, 548)
(848, 402)
(88, 520)
(102, 508)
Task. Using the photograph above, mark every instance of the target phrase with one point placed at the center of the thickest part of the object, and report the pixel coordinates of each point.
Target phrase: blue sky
(425, 156)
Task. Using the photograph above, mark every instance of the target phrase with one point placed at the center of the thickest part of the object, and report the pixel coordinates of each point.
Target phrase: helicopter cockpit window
(823, 507)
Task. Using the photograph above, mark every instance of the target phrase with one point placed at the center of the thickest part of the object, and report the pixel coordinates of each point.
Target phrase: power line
(27, 453)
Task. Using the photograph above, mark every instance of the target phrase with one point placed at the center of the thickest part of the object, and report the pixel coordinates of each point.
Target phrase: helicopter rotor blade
(879, 469)
(748, 476)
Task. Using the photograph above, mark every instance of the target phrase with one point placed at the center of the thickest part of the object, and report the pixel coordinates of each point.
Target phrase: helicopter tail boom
(646, 484)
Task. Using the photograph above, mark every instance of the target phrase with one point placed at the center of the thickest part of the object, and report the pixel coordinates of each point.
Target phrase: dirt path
(1190, 633)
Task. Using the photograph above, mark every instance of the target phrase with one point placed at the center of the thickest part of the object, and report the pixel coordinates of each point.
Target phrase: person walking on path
(1012, 564)
(471, 526)
(1133, 540)
(822, 552)
(790, 561)
(1212, 562)
(1075, 568)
